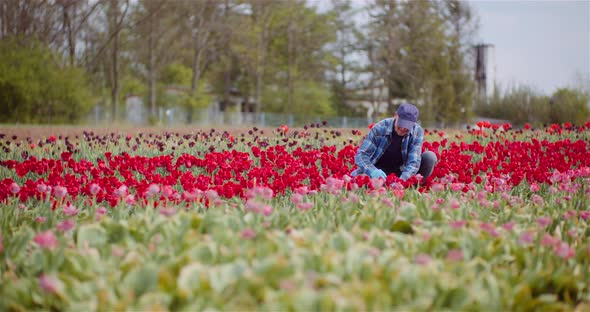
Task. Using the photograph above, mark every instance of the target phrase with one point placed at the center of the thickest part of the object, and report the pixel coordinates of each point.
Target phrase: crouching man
(394, 145)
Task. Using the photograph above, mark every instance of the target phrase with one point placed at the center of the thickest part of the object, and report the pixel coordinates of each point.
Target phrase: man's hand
(377, 173)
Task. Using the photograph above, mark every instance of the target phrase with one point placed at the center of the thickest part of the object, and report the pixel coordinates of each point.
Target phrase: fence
(211, 117)
(178, 117)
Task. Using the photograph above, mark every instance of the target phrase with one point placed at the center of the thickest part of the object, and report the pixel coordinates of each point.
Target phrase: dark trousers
(427, 165)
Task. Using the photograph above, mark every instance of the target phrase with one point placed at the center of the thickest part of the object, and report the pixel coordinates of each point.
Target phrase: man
(394, 145)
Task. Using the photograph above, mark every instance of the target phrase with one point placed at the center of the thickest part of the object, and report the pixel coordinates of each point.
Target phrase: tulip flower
(46, 240)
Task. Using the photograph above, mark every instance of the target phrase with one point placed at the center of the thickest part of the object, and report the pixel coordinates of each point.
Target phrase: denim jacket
(377, 141)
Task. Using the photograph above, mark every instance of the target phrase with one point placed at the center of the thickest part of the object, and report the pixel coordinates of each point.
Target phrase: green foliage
(198, 100)
(183, 98)
(522, 104)
(419, 49)
(132, 85)
(176, 74)
(569, 105)
(384, 250)
(34, 89)
(339, 98)
(310, 98)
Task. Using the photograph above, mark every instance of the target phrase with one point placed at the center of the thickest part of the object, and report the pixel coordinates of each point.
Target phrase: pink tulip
(167, 212)
(46, 240)
(152, 190)
(537, 200)
(211, 195)
(267, 210)
(455, 255)
(302, 190)
(60, 191)
(94, 188)
(563, 250)
(41, 188)
(458, 224)
(526, 238)
(48, 284)
(543, 221)
(353, 198)
(437, 187)
(101, 211)
(455, 187)
(296, 198)
(572, 233)
(508, 226)
(570, 214)
(14, 188)
(66, 225)
(422, 259)
(304, 206)
(121, 191)
(490, 228)
(130, 199)
(248, 233)
(168, 191)
(70, 210)
(549, 241)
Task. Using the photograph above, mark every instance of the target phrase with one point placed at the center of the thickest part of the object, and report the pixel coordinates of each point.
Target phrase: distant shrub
(35, 88)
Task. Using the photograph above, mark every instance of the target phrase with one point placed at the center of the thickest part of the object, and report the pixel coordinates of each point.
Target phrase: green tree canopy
(569, 105)
(35, 89)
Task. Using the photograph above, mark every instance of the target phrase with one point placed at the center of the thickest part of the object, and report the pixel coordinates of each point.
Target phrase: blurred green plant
(311, 98)
(34, 88)
(521, 104)
(569, 105)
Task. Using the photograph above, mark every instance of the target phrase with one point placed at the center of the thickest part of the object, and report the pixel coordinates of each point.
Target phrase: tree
(569, 105)
(155, 39)
(420, 49)
(200, 22)
(116, 19)
(75, 15)
(344, 61)
(297, 51)
(252, 42)
(462, 26)
(36, 89)
(103, 48)
(30, 20)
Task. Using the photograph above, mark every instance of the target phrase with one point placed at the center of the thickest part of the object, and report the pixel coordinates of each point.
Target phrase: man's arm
(414, 156)
(365, 151)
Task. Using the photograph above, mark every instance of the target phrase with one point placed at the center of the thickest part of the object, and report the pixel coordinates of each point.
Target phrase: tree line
(59, 58)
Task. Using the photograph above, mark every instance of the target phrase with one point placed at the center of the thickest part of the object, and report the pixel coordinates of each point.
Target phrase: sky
(543, 44)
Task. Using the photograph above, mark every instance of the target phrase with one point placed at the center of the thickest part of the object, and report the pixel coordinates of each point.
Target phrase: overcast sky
(543, 44)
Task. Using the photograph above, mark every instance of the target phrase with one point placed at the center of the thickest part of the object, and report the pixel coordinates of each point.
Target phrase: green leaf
(95, 235)
(141, 279)
(189, 278)
(226, 274)
(402, 226)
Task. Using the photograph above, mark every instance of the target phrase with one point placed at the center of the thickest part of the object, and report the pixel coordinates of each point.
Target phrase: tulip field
(271, 220)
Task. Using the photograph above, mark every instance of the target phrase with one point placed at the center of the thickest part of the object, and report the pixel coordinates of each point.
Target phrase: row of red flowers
(230, 173)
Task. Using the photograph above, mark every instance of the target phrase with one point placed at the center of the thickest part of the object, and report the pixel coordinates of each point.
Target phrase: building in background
(485, 69)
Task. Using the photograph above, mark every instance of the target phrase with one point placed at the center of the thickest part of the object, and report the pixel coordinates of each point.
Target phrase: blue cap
(407, 115)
